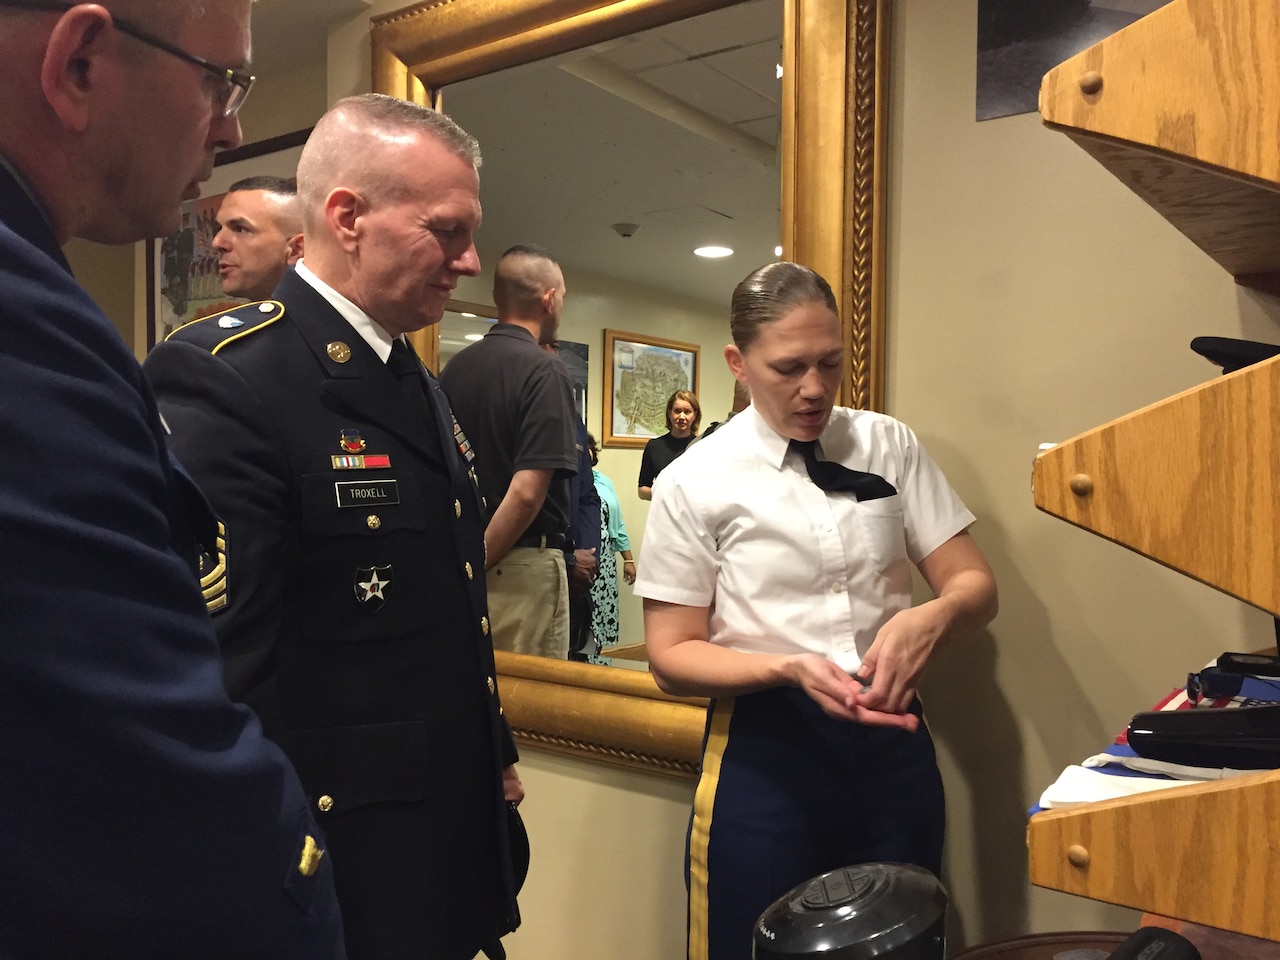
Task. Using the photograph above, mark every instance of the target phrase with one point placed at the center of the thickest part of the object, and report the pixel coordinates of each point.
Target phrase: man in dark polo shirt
(515, 404)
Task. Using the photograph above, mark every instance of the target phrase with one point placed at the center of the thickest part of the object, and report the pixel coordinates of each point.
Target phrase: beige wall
(282, 104)
(107, 273)
(1032, 297)
(606, 875)
(596, 304)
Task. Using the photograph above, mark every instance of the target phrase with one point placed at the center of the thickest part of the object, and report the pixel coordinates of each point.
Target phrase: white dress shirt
(737, 525)
(370, 331)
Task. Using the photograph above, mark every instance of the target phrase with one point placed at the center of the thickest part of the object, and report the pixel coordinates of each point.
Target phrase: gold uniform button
(457, 509)
(470, 573)
(484, 626)
(374, 521)
(338, 352)
(325, 803)
(492, 689)
(312, 853)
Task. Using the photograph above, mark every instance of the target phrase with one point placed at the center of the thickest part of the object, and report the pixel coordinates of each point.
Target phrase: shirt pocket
(327, 512)
(361, 571)
(880, 523)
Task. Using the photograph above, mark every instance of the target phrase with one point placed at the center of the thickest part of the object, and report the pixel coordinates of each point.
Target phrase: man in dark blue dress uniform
(142, 812)
(353, 612)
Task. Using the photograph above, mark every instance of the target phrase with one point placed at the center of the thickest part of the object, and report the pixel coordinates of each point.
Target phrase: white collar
(835, 440)
(370, 331)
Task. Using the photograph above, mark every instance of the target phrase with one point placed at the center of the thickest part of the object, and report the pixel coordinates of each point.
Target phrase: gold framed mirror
(834, 90)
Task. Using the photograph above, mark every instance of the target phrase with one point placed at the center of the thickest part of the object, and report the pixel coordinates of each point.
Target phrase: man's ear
(73, 60)
(733, 357)
(343, 209)
(293, 249)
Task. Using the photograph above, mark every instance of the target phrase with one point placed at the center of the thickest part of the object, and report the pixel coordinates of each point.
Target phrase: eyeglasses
(233, 85)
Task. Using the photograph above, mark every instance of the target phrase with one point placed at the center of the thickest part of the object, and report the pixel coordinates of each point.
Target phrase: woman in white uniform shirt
(791, 607)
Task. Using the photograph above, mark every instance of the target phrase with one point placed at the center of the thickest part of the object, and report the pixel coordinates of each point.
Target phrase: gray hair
(336, 150)
(769, 292)
(164, 18)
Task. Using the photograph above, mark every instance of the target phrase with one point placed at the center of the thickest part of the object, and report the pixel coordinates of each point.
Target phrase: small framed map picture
(640, 375)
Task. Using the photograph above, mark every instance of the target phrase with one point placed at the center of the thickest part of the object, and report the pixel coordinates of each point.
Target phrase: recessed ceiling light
(777, 251)
(713, 252)
(474, 336)
(468, 314)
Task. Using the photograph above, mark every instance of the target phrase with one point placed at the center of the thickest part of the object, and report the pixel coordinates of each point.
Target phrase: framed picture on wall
(182, 269)
(640, 375)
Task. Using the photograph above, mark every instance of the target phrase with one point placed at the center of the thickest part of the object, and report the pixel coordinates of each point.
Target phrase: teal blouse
(617, 531)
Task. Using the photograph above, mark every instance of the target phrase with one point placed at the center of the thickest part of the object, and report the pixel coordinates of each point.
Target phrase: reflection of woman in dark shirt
(683, 417)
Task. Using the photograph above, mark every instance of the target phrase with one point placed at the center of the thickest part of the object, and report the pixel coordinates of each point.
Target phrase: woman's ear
(737, 366)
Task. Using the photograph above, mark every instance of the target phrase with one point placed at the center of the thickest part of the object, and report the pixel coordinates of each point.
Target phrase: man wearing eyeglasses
(142, 813)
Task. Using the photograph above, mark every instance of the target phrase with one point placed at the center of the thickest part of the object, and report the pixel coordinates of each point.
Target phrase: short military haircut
(771, 291)
(164, 18)
(336, 154)
(522, 275)
(281, 186)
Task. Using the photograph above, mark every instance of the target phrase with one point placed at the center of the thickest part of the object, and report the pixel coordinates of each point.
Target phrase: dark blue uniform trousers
(787, 793)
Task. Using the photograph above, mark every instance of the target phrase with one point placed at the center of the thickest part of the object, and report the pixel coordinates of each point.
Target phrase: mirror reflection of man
(259, 236)
(144, 814)
(515, 402)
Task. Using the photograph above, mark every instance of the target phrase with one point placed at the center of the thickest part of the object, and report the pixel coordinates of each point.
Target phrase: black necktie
(404, 366)
(837, 478)
(407, 369)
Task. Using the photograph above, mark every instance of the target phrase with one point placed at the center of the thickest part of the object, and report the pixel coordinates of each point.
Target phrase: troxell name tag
(366, 493)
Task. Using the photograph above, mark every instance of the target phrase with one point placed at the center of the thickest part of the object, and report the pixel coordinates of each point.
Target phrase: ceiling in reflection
(458, 331)
(674, 130)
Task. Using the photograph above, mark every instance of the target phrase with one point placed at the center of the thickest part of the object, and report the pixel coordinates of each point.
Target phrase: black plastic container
(885, 911)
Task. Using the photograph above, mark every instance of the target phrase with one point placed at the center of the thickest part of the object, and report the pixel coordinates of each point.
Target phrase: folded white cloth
(1076, 784)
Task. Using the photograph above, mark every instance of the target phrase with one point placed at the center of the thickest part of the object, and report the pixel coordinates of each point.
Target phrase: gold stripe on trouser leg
(700, 830)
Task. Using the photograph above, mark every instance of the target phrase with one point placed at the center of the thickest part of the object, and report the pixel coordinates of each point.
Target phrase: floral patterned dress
(613, 539)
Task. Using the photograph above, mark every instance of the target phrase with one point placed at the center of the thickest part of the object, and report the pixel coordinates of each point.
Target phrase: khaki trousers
(529, 602)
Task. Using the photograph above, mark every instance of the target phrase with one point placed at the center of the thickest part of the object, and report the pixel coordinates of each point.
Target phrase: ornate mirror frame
(834, 89)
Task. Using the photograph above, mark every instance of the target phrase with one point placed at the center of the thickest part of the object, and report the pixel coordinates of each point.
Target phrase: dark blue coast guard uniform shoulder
(219, 330)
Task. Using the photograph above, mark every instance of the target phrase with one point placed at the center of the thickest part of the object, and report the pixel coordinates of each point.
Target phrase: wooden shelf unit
(1184, 107)
(1173, 105)
(1190, 481)
(1206, 852)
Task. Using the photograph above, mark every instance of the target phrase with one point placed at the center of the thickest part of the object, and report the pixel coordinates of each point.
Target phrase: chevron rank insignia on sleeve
(213, 574)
